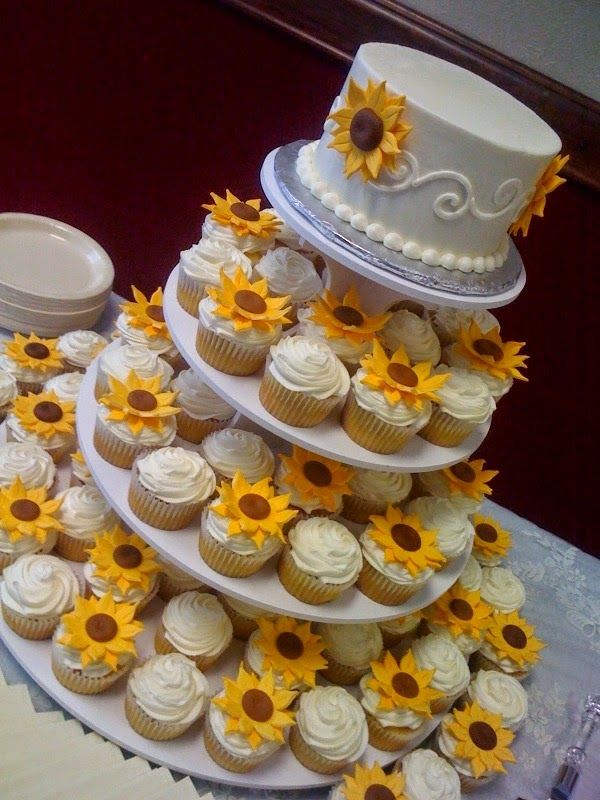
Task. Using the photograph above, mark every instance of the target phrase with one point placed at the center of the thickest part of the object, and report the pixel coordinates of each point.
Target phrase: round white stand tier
(262, 589)
(329, 438)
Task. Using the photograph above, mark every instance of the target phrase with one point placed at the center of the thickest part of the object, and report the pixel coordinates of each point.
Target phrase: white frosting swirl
(332, 722)
(176, 475)
(25, 545)
(465, 643)
(464, 395)
(289, 273)
(246, 243)
(381, 486)
(429, 777)
(436, 484)
(39, 586)
(22, 435)
(326, 550)
(66, 386)
(236, 743)
(29, 462)
(308, 366)
(234, 449)
(354, 645)
(101, 586)
(471, 576)
(454, 532)
(501, 589)
(416, 334)
(206, 259)
(450, 669)
(222, 326)
(80, 348)
(195, 623)
(24, 373)
(500, 694)
(170, 688)
(448, 321)
(147, 435)
(8, 388)
(218, 527)
(119, 361)
(393, 570)
(349, 352)
(132, 335)
(247, 609)
(84, 512)
(497, 387)
(402, 414)
(398, 717)
(198, 400)
(70, 657)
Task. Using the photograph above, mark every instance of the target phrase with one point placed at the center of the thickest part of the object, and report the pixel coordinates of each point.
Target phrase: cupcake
(398, 697)
(237, 323)
(370, 782)
(448, 321)
(501, 589)
(461, 616)
(372, 491)
(173, 581)
(165, 696)
(289, 274)
(427, 776)
(247, 721)
(28, 522)
(450, 669)
(243, 529)
(315, 484)
(320, 561)
(118, 362)
(349, 650)
(491, 542)
(464, 402)
(83, 514)
(169, 487)
(8, 392)
(389, 401)
(122, 565)
(93, 645)
(331, 730)
(501, 694)
(201, 266)
(195, 625)
(80, 472)
(232, 450)
(133, 417)
(471, 576)
(399, 633)
(202, 410)
(414, 333)
(143, 323)
(288, 649)
(44, 420)
(29, 462)
(35, 591)
(465, 484)
(79, 348)
(400, 556)
(509, 646)
(454, 532)
(66, 386)
(240, 223)
(244, 616)
(476, 745)
(31, 361)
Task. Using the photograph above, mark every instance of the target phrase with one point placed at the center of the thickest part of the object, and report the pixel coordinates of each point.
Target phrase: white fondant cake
(466, 169)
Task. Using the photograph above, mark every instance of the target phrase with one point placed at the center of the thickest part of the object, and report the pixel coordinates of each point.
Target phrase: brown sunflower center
(127, 556)
(36, 350)
(463, 471)
(485, 347)
(317, 472)
(250, 301)
(483, 735)
(101, 627)
(366, 129)
(290, 645)
(257, 705)
(245, 211)
(461, 609)
(405, 685)
(141, 400)
(25, 510)
(348, 315)
(47, 411)
(156, 313)
(514, 636)
(406, 537)
(487, 533)
(254, 506)
(377, 791)
(402, 374)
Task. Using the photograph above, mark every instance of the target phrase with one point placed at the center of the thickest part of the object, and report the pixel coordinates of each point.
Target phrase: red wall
(121, 117)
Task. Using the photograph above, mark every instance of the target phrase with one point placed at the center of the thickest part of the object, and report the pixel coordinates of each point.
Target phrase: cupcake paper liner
(357, 509)
(36, 628)
(156, 512)
(443, 704)
(175, 360)
(76, 681)
(195, 430)
(114, 450)
(233, 358)
(33, 387)
(312, 760)
(341, 674)
(148, 727)
(398, 643)
(303, 586)
(293, 408)
(6, 559)
(72, 548)
(190, 291)
(389, 739)
(163, 646)
(243, 627)
(375, 585)
(226, 562)
(56, 453)
(221, 756)
(68, 367)
(372, 433)
(445, 430)
(168, 587)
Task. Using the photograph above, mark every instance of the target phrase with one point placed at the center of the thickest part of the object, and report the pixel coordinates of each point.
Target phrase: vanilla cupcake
(29, 462)
(369, 782)
(232, 449)
(349, 650)
(510, 645)
(471, 576)
(8, 392)
(491, 543)
(450, 669)
(428, 777)
(31, 361)
(244, 616)
(83, 513)
(461, 616)
(28, 522)
(166, 694)
(143, 323)
(44, 420)
(448, 321)
(66, 386)
(35, 591)
(399, 633)
(372, 491)
(454, 532)
(331, 730)
(289, 274)
(315, 484)
(202, 410)
(118, 362)
(414, 333)
(321, 560)
(79, 348)
(501, 589)
(501, 694)
(466, 484)
(497, 387)
(173, 581)
(80, 472)
(169, 487)
(240, 223)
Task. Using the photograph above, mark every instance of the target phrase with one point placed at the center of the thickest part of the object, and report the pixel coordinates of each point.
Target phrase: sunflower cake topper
(372, 783)
(33, 352)
(345, 318)
(461, 612)
(490, 538)
(27, 512)
(405, 541)
(513, 638)
(291, 649)
(401, 684)
(248, 305)
(138, 402)
(368, 129)
(123, 559)
(486, 352)
(147, 314)
(470, 478)
(549, 181)
(44, 414)
(481, 739)
(315, 477)
(242, 216)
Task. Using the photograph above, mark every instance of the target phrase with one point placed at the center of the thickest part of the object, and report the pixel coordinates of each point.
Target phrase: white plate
(27, 323)
(262, 589)
(329, 438)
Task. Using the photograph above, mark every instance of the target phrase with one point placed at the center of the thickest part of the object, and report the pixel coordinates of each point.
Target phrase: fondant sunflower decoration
(248, 305)
(481, 739)
(461, 612)
(316, 477)
(255, 708)
(405, 541)
(486, 352)
(291, 649)
(78, 457)
(368, 129)
(33, 352)
(123, 559)
(346, 319)
(147, 314)
(138, 402)
(401, 684)
(44, 414)
(470, 478)
(490, 538)
(243, 216)
(549, 181)
(398, 380)
(101, 630)
(371, 783)
(27, 512)
(253, 509)
(513, 638)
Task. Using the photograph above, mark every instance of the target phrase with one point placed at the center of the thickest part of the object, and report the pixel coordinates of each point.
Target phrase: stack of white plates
(53, 277)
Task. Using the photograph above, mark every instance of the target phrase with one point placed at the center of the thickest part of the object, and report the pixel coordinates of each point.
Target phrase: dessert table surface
(563, 602)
